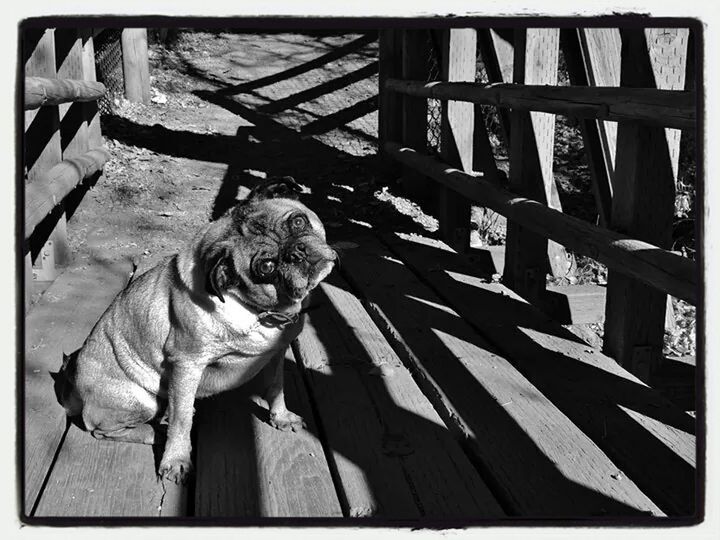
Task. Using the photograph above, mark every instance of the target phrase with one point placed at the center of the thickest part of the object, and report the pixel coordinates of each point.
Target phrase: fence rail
(630, 93)
(44, 194)
(659, 268)
(666, 108)
(40, 91)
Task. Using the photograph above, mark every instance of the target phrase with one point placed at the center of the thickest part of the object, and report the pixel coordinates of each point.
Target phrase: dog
(206, 320)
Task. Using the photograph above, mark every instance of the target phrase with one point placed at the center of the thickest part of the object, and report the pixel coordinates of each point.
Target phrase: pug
(206, 320)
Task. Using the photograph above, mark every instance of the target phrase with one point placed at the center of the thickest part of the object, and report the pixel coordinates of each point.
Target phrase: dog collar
(275, 318)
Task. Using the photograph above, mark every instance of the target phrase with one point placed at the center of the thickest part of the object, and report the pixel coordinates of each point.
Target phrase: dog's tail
(64, 384)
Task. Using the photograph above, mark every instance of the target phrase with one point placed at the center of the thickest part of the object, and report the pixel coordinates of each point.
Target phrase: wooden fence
(62, 143)
(628, 91)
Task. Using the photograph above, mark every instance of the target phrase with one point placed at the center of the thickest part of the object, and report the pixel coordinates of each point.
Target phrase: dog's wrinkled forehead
(278, 217)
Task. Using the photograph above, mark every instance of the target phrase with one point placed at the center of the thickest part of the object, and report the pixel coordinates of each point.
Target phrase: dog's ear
(217, 273)
(284, 187)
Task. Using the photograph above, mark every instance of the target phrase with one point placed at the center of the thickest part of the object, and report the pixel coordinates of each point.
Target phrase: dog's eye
(298, 222)
(267, 267)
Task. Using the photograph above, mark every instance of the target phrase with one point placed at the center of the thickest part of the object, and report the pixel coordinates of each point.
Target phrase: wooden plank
(42, 140)
(43, 195)
(595, 139)
(40, 91)
(94, 478)
(539, 463)
(674, 108)
(458, 63)
(575, 304)
(92, 113)
(646, 262)
(415, 65)
(246, 468)
(644, 200)
(58, 323)
(496, 50)
(528, 256)
(394, 457)
(651, 441)
(136, 68)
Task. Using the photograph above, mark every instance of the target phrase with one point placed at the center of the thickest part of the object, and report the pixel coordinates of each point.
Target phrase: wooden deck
(431, 394)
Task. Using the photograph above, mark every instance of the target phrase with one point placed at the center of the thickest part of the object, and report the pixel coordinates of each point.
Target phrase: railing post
(528, 256)
(389, 103)
(415, 66)
(92, 113)
(136, 69)
(643, 202)
(43, 150)
(458, 63)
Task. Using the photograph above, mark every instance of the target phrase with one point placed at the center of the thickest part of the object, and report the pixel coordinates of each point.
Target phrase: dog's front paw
(286, 421)
(176, 469)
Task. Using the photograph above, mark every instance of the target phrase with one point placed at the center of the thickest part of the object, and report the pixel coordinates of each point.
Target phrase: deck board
(93, 478)
(394, 456)
(246, 468)
(651, 440)
(541, 463)
(60, 321)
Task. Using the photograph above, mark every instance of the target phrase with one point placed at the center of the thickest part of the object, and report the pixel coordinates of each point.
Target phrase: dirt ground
(229, 109)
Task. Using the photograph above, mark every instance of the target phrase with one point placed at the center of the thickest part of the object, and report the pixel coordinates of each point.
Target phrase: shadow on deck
(432, 395)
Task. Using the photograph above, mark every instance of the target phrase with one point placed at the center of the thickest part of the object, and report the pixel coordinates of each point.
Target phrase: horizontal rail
(659, 268)
(42, 195)
(667, 108)
(40, 91)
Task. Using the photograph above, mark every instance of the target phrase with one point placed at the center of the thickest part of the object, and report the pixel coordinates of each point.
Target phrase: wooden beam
(496, 51)
(458, 63)
(643, 203)
(40, 91)
(645, 262)
(529, 257)
(415, 65)
(671, 108)
(389, 104)
(136, 68)
(594, 140)
(92, 113)
(44, 194)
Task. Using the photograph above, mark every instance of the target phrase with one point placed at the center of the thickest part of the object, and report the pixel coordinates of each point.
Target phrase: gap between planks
(542, 464)
(394, 457)
(639, 429)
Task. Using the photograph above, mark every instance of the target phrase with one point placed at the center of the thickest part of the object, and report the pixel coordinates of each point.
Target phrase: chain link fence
(108, 66)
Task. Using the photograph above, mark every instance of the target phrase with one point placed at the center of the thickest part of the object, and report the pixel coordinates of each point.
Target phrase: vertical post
(389, 105)
(529, 256)
(92, 113)
(593, 55)
(458, 63)
(643, 203)
(496, 50)
(43, 149)
(136, 69)
(415, 66)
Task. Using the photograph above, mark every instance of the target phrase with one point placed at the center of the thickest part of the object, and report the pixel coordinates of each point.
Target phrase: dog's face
(272, 250)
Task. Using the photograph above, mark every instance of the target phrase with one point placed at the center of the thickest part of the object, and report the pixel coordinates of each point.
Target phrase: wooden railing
(626, 98)
(62, 142)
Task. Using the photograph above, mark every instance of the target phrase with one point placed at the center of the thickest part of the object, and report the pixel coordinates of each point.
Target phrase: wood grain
(457, 121)
(58, 323)
(651, 441)
(246, 468)
(394, 456)
(93, 478)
